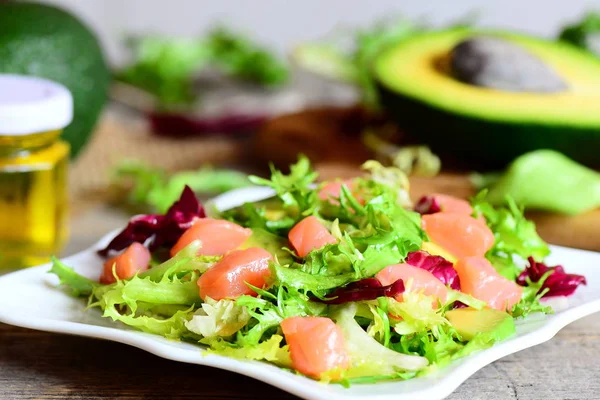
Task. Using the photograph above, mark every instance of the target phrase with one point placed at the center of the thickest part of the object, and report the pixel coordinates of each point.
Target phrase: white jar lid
(31, 105)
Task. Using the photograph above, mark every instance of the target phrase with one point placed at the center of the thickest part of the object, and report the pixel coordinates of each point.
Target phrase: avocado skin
(47, 42)
(490, 143)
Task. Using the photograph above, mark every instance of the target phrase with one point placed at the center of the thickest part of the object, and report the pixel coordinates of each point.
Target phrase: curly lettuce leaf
(79, 285)
(218, 318)
(269, 350)
(438, 346)
(515, 236)
(184, 262)
(295, 191)
(270, 309)
(415, 313)
(130, 292)
(533, 291)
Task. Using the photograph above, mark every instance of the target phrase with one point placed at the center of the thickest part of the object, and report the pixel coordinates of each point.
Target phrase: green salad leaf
(516, 237)
(294, 190)
(78, 285)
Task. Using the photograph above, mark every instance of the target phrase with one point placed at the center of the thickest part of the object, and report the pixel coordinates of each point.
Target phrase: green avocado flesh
(418, 91)
(44, 41)
(468, 322)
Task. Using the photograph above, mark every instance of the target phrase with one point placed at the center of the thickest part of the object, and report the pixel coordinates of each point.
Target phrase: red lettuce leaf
(428, 205)
(558, 283)
(437, 265)
(162, 230)
(365, 289)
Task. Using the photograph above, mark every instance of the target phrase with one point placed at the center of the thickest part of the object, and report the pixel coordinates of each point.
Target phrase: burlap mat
(119, 137)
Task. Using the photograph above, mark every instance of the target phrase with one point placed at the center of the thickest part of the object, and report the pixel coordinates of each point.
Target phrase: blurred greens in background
(166, 67)
(153, 190)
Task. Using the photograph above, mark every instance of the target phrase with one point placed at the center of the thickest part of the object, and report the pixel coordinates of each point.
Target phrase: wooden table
(39, 365)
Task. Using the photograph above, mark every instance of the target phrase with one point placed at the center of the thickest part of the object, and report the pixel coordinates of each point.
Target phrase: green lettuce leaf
(269, 350)
(530, 299)
(295, 191)
(79, 285)
(184, 262)
(514, 235)
(415, 313)
(218, 318)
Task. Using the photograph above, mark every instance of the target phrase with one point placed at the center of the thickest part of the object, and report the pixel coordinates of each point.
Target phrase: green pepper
(545, 180)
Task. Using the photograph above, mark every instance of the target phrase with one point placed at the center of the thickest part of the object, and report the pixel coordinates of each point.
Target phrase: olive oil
(33, 205)
(33, 170)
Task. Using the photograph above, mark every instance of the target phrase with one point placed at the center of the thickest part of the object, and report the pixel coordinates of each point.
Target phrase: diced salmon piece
(453, 204)
(218, 237)
(422, 281)
(309, 234)
(317, 345)
(227, 278)
(481, 280)
(134, 259)
(461, 235)
(332, 190)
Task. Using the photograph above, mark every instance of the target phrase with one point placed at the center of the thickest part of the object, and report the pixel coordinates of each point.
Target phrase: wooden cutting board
(581, 231)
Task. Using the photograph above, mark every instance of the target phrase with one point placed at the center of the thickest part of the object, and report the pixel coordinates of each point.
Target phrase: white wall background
(282, 23)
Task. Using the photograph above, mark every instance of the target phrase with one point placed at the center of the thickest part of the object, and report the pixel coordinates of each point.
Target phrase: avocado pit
(495, 63)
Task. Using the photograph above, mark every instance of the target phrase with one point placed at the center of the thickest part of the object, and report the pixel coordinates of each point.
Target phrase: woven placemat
(118, 137)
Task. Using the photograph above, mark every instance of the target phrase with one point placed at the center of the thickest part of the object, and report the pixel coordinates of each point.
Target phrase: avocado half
(492, 126)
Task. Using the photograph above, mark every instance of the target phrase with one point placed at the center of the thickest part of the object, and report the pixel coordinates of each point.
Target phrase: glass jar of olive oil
(33, 169)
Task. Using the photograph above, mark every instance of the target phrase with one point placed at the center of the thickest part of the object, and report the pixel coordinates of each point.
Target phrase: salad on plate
(344, 281)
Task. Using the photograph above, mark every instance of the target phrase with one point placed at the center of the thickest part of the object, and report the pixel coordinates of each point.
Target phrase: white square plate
(30, 299)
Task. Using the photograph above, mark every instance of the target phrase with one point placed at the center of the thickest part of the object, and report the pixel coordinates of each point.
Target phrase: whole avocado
(45, 41)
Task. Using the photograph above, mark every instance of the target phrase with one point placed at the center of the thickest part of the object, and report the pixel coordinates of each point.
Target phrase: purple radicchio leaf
(159, 230)
(365, 289)
(558, 283)
(437, 265)
(428, 205)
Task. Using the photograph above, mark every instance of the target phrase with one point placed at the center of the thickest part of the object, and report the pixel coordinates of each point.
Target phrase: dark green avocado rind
(47, 42)
(490, 142)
